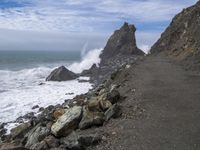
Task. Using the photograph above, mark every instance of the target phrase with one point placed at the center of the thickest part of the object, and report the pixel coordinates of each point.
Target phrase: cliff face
(121, 42)
(182, 38)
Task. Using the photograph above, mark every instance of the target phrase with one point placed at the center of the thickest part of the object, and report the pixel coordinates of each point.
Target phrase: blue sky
(60, 24)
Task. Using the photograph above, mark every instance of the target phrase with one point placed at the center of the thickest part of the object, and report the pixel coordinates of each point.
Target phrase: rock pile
(61, 126)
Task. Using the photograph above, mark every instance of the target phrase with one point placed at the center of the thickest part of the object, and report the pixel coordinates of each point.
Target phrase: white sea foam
(20, 91)
(92, 57)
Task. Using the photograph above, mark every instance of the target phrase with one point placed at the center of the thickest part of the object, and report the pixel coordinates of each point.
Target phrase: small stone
(35, 107)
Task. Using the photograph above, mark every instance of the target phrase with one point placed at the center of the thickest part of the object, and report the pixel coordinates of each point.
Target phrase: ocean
(21, 73)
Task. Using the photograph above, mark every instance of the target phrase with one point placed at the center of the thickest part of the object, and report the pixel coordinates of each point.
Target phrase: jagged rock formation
(61, 74)
(120, 49)
(182, 38)
(121, 42)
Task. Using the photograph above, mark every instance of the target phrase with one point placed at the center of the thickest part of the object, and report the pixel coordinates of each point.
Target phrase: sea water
(21, 75)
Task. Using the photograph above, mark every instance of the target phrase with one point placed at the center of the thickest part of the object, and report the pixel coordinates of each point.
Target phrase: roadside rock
(67, 122)
(113, 112)
(90, 119)
(61, 74)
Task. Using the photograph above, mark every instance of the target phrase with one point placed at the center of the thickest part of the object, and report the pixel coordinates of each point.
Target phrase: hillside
(181, 39)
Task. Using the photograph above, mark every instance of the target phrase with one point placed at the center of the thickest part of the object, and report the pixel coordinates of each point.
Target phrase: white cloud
(33, 23)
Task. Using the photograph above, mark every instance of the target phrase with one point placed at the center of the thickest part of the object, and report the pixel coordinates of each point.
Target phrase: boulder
(113, 112)
(37, 134)
(20, 130)
(61, 74)
(90, 119)
(67, 122)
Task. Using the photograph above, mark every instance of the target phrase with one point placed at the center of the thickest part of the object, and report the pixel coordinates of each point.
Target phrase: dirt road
(161, 111)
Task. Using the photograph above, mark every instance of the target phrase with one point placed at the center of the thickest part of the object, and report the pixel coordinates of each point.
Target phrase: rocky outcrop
(122, 42)
(182, 38)
(61, 74)
(120, 49)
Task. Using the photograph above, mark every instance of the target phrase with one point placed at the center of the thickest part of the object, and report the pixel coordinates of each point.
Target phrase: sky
(75, 24)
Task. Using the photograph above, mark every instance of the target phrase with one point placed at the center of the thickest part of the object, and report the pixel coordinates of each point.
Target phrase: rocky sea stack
(122, 42)
(181, 39)
(120, 49)
(61, 74)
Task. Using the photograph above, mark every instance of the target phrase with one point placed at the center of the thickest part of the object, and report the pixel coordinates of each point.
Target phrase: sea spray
(92, 57)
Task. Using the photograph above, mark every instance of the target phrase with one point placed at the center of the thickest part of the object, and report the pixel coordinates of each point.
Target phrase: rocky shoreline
(72, 125)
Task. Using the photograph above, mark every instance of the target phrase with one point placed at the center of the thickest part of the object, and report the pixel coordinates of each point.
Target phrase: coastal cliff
(181, 40)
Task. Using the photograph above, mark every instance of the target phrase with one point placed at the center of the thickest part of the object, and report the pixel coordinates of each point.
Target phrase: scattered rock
(67, 122)
(36, 135)
(20, 130)
(90, 119)
(114, 111)
(61, 74)
(14, 145)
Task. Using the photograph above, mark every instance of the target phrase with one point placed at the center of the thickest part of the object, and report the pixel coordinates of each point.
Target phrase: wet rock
(61, 74)
(36, 135)
(113, 112)
(57, 113)
(20, 130)
(67, 122)
(90, 119)
(35, 107)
